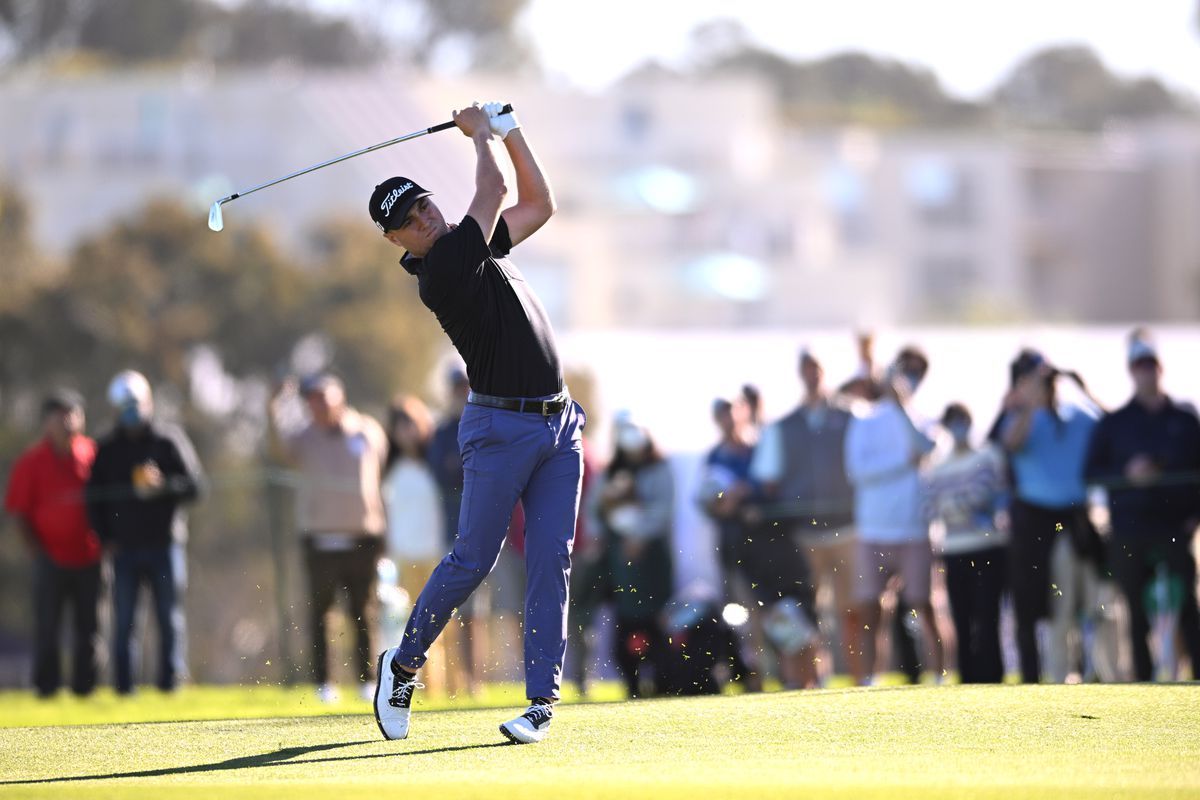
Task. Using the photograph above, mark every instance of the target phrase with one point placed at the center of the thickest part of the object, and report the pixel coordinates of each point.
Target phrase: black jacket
(1171, 437)
(117, 514)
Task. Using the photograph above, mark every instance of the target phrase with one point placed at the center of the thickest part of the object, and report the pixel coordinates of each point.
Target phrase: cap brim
(401, 211)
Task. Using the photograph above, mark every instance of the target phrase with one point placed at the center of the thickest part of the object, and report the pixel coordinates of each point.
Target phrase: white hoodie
(881, 454)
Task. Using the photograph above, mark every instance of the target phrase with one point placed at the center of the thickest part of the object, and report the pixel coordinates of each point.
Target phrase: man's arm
(185, 482)
(96, 495)
(279, 448)
(489, 181)
(535, 199)
(28, 533)
(1098, 466)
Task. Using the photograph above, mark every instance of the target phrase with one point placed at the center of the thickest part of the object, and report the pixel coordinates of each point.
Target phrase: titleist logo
(393, 196)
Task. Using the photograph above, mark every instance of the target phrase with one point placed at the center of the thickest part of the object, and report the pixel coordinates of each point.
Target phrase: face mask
(914, 380)
(959, 431)
(631, 439)
(131, 416)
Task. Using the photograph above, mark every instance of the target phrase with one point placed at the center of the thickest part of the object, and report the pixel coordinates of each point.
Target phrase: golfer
(520, 436)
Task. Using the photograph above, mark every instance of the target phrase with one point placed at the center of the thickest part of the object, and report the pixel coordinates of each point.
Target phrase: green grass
(1061, 742)
(191, 703)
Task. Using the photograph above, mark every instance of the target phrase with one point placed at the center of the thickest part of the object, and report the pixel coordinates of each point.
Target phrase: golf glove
(502, 124)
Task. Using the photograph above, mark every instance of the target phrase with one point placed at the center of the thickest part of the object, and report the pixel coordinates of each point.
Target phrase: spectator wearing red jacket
(45, 497)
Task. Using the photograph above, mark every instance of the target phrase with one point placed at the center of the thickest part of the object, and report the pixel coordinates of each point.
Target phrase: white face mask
(632, 439)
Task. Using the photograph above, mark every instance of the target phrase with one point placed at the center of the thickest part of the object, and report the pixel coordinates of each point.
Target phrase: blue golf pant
(511, 455)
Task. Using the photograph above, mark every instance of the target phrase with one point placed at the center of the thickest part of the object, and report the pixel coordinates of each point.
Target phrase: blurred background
(735, 181)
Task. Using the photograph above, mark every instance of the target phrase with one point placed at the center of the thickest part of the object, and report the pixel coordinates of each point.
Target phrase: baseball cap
(392, 199)
(318, 382)
(129, 387)
(1141, 350)
(1026, 362)
(62, 400)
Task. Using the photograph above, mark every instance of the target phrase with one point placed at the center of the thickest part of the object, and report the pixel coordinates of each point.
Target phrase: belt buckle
(546, 408)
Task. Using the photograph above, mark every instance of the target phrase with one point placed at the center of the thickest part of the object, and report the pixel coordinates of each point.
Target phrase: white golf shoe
(530, 727)
(393, 696)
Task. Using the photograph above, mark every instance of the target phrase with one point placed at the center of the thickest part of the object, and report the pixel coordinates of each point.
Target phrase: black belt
(547, 408)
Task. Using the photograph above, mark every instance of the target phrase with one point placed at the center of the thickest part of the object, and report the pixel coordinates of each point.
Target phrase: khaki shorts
(876, 562)
(832, 562)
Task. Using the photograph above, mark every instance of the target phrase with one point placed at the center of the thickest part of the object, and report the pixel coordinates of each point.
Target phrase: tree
(839, 89)
(487, 31)
(1070, 87)
(23, 272)
(384, 340)
(139, 31)
(153, 291)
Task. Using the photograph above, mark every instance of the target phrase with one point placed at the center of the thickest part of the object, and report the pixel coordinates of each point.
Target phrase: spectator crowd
(854, 539)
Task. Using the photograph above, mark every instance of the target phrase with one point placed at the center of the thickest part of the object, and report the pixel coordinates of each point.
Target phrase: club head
(215, 220)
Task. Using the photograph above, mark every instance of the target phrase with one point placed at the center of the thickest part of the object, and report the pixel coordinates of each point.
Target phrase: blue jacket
(1171, 437)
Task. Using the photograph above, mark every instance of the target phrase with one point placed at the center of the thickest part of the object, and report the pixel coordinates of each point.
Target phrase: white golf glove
(502, 124)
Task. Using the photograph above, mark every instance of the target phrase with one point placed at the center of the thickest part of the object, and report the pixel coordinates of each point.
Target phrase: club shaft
(415, 134)
(330, 162)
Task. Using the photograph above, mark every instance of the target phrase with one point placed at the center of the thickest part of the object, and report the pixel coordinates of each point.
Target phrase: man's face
(326, 404)
(811, 374)
(421, 227)
(914, 369)
(1147, 375)
(61, 425)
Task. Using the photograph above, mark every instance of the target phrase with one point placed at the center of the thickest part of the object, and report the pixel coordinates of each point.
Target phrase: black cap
(391, 201)
(62, 400)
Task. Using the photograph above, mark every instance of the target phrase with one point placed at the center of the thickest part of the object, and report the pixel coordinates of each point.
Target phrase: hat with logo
(391, 201)
(1142, 349)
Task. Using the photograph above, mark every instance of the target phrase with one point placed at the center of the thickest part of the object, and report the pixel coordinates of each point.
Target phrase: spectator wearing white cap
(144, 474)
(1147, 455)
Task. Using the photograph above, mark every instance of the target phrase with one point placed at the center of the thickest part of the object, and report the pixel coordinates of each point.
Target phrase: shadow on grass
(283, 757)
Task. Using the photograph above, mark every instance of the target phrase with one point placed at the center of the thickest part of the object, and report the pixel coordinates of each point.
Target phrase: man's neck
(61, 446)
(1151, 401)
(135, 431)
(815, 399)
(736, 438)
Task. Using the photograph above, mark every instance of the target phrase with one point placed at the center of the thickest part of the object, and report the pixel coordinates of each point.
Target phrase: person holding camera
(1046, 439)
(884, 452)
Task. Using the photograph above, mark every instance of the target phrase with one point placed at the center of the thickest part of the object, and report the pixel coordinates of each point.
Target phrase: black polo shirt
(490, 313)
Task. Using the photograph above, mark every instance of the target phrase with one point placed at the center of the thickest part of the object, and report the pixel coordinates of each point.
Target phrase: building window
(944, 194)
(949, 281)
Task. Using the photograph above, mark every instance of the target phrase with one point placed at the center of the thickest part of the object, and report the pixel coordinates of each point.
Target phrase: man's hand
(1141, 470)
(502, 124)
(148, 481)
(473, 122)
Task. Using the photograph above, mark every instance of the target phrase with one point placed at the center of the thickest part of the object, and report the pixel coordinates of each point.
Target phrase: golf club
(216, 221)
